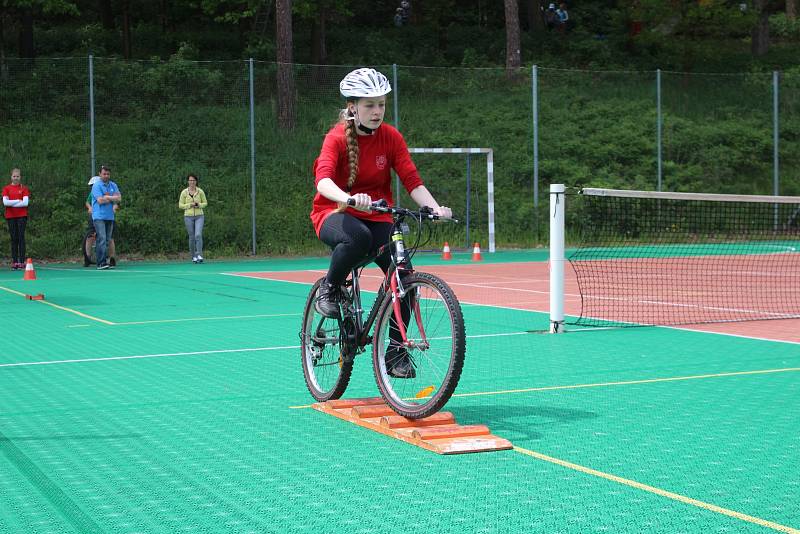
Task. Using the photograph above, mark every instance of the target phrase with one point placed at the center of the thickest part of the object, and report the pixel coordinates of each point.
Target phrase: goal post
(489, 180)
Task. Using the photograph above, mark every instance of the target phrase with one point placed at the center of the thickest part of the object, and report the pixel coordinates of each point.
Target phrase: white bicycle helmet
(364, 83)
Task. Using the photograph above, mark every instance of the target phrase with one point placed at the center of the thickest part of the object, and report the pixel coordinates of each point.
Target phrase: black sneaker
(327, 303)
(112, 262)
(399, 364)
(102, 267)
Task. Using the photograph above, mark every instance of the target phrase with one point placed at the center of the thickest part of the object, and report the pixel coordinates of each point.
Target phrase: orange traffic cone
(30, 274)
(476, 252)
(446, 252)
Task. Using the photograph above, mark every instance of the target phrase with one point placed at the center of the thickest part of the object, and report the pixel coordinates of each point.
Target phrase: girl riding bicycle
(355, 163)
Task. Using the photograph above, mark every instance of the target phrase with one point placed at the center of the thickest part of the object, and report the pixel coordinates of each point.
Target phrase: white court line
(196, 353)
(765, 314)
(731, 335)
(145, 356)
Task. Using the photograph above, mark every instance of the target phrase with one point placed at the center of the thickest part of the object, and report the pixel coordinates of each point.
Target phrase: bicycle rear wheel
(437, 342)
(327, 364)
(87, 246)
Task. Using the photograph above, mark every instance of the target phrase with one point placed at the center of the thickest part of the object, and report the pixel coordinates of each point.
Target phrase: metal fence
(155, 121)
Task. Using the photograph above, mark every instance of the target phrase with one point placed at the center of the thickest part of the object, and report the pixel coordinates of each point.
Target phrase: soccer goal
(457, 187)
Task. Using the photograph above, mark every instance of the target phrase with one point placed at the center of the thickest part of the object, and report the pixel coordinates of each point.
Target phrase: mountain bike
(416, 316)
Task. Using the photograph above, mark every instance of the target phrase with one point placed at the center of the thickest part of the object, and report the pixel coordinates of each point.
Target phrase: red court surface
(525, 286)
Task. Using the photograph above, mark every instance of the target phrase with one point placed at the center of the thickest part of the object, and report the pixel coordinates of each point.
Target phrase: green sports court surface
(170, 398)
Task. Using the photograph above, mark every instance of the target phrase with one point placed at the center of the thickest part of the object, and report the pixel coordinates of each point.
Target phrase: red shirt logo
(380, 162)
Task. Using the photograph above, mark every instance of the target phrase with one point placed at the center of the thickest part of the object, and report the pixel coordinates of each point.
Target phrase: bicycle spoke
(326, 371)
(435, 352)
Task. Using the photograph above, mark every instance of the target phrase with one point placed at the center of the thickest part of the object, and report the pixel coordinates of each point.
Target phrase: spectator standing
(105, 194)
(15, 200)
(192, 201)
(112, 257)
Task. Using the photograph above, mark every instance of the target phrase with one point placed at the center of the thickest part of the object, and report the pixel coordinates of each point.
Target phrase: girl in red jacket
(355, 162)
(15, 200)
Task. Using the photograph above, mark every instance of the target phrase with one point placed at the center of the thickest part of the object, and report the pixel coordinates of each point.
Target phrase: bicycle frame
(392, 283)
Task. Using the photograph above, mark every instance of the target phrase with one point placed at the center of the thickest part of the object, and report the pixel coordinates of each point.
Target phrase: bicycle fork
(397, 292)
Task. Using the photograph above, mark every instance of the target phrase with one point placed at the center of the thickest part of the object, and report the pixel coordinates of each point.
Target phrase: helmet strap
(368, 131)
(365, 129)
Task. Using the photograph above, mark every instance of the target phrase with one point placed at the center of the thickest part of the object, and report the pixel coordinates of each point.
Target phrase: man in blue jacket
(105, 194)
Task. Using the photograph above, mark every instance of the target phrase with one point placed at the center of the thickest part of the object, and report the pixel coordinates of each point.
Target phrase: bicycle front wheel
(417, 378)
(326, 363)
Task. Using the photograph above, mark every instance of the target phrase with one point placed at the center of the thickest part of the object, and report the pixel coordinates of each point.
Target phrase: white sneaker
(194, 259)
(199, 258)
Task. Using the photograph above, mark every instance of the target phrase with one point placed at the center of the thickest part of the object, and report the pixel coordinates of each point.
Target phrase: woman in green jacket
(192, 202)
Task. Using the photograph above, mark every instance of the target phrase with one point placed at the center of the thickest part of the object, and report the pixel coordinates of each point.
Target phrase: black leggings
(16, 227)
(351, 239)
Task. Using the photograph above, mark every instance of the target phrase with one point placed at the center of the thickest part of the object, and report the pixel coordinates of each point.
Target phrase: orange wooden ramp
(438, 433)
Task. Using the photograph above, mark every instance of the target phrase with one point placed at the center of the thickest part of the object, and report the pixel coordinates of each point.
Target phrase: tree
(126, 29)
(760, 34)
(283, 31)
(23, 13)
(791, 9)
(513, 55)
(106, 14)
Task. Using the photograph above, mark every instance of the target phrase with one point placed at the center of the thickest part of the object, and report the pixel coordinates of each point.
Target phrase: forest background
(171, 96)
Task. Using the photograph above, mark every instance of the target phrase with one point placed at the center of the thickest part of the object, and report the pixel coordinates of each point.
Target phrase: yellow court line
(629, 382)
(622, 383)
(658, 491)
(209, 318)
(63, 308)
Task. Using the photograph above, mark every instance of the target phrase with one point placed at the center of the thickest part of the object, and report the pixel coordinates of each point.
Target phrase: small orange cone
(476, 252)
(446, 252)
(30, 274)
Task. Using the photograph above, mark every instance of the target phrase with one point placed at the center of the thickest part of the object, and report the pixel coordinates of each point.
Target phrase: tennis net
(650, 258)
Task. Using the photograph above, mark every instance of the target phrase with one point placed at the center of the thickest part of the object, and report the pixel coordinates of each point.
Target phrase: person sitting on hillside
(398, 17)
(405, 5)
(551, 19)
(565, 24)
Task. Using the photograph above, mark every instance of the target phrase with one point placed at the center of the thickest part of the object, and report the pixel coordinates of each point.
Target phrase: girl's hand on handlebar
(360, 201)
(443, 212)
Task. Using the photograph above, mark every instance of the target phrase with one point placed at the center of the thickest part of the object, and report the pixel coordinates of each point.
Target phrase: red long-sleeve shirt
(16, 192)
(378, 155)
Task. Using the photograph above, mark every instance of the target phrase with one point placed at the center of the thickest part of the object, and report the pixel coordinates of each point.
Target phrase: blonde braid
(351, 138)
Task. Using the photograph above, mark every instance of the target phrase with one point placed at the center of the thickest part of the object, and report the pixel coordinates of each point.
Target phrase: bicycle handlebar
(381, 206)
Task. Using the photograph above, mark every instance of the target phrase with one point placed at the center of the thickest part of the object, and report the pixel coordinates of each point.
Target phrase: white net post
(557, 208)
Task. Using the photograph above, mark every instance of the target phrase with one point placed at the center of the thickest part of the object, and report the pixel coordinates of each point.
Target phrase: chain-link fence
(252, 145)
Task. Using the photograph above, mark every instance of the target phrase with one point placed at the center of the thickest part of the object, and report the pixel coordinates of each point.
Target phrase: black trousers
(16, 227)
(351, 240)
